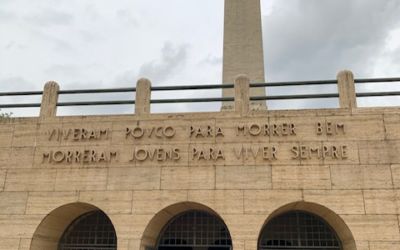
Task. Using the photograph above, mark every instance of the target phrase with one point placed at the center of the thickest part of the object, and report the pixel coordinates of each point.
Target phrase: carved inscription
(79, 156)
(205, 131)
(155, 154)
(212, 153)
(330, 128)
(257, 129)
(267, 153)
(162, 132)
(304, 152)
(78, 134)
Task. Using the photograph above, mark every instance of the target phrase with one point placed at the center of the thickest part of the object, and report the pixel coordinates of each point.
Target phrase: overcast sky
(102, 43)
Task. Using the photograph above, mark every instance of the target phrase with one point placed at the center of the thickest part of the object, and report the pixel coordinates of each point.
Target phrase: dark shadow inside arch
(305, 226)
(195, 230)
(73, 226)
(298, 230)
(160, 226)
(90, 231)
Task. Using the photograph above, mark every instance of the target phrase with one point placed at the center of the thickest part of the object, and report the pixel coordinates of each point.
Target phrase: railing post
(48, 106)
(347, 90)
(242, 94)
(143, 96)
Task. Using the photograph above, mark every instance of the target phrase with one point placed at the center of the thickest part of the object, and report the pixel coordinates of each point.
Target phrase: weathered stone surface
(301, 177)
(81, 179)
(223, 201)
(391, 245)
(24, 135)
(13, 202)
(152, 202)
(267, 201)
(366, 227)
(45, 202)
(30, 180)
(134, 178)
(9, 244)
(361, 177)
(382, 201)
(239, 177)
(112, 202)
(187, 178)
(339, 201)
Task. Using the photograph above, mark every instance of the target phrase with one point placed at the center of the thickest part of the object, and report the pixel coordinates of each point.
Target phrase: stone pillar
(347, 90)
(243, 47)
(48, 107)
(242, 97)
(143, 96)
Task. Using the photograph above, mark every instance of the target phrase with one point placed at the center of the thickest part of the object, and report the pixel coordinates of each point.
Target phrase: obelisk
(243, 48)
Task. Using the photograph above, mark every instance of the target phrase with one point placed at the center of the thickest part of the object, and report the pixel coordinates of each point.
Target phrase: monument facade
(244, 178)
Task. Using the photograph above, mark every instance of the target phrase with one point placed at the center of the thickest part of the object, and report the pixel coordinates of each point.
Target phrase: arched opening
(92, 231)
(75, 226)
(298, 230)
(186, 226)
(195, 229)
(305, 226)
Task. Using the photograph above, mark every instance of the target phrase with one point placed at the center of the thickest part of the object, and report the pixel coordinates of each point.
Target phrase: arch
(160, 222)
(333, 221)
(53, 227)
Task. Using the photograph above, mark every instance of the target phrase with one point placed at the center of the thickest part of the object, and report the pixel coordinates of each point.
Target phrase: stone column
(48, 107)
(143, 96)
(242, 94)
(243, 47)
(346, 88)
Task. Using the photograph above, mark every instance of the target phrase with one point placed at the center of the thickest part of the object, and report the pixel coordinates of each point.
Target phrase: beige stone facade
(243, 166)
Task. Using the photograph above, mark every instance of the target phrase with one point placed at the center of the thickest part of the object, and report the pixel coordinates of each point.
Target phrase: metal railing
(200, 87)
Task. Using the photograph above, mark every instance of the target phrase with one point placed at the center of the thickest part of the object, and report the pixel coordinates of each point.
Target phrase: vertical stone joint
(143, 96)
(48, 107)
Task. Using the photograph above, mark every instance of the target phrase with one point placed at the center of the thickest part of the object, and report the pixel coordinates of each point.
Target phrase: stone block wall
(244, 166)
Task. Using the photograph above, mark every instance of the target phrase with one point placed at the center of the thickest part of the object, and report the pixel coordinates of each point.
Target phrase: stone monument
(243, 47)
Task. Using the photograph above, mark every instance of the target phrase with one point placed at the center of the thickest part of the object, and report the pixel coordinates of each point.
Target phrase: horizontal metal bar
(299, 83)
(96, 103)
(22, 93)
(376, 94)
(93, 91)
(192, 87)
(198, 100)
(193, 100)
(20, 105)
(377, 80)
(292, 97)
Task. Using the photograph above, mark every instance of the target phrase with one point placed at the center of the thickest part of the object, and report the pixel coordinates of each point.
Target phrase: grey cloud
(63, 70)
(395, 59)
(14, 45)
(315, 38)
(13, 83)
(173, 58)
(211, 60)
(127, 17)
(58, 43)
(50, 17)
(7, 16)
